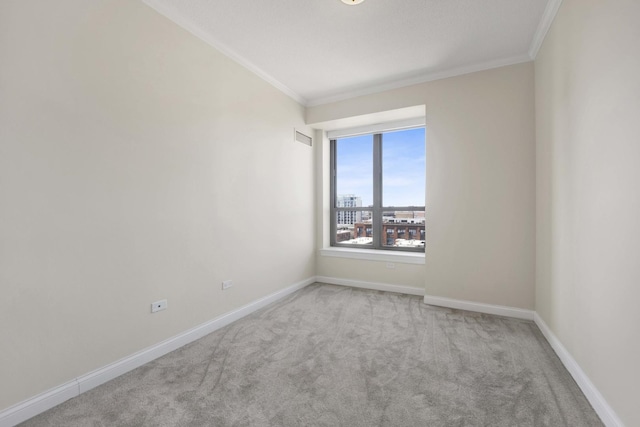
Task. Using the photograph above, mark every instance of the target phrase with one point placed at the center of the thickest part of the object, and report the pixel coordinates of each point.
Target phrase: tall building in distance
(349, 201)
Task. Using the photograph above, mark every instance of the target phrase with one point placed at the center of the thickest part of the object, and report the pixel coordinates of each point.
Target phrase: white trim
(479, 307)
(172, 15)
(600, 405)
(57, 395)
(378, 127)
(409, 290)
(422, 78)
(36, 405)
(113, 370)
(47, 400)
(548, 16)
(375, 255)
(543, 27)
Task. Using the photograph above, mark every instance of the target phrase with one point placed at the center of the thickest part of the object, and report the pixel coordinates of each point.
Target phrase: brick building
(395, 231)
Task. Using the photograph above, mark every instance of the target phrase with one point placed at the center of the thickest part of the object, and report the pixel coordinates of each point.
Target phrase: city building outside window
(378, 190)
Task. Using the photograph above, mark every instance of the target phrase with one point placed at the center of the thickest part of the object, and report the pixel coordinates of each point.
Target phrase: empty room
(319, 213)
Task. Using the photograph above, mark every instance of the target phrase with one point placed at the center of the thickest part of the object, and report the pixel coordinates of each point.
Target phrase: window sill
(375, 255)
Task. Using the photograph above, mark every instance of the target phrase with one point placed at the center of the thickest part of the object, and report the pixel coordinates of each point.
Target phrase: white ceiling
(319, 51)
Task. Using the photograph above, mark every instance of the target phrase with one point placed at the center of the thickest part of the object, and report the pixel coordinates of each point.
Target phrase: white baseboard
(371, 285)
(499, 310)
(38, 404)
(57, 395)
(47, 400)
(600, 405)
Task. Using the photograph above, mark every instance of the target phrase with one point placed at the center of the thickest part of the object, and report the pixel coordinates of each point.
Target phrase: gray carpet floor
(338, 356)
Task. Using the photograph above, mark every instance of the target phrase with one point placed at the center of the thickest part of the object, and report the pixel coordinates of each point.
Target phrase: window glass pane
(404, 229)
(401, 161)
(354, 171)
(403, 168)
(354, 228)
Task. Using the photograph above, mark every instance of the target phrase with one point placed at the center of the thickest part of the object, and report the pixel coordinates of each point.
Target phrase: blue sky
(403, 167)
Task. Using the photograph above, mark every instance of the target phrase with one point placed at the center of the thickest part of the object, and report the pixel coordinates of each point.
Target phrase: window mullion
(333, 226)
(377, 191)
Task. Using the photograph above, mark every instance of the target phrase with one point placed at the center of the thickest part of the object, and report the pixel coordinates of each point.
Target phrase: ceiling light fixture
(352, 2)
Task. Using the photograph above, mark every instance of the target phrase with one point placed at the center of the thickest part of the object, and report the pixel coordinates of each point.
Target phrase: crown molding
(547, 19)
(548, 16)
(207, 38)
(422, 78)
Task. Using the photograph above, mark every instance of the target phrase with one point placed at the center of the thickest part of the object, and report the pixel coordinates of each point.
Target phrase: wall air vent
(301, 137)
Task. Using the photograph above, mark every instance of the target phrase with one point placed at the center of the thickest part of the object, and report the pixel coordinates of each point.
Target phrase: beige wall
(480, 186)
(402, 274)
(136, 163)
(588, 193)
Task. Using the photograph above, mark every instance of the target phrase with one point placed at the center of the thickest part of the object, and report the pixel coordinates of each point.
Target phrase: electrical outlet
(391, 265)
(227, 284)
(159, 305)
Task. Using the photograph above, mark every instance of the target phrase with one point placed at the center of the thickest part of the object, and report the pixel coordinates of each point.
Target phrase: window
(378, 189)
